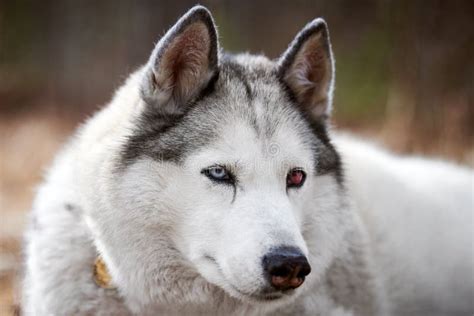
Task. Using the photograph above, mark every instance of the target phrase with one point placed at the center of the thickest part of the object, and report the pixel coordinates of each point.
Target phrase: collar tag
(101, 275)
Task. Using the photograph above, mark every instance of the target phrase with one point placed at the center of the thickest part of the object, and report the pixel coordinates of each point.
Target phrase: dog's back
(419, 215)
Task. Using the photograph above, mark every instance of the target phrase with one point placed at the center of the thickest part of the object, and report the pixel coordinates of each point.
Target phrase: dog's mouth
(265, 296)
(270, 297)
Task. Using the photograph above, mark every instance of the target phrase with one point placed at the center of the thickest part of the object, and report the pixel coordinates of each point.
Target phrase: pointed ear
(182, 63)
(307, 68)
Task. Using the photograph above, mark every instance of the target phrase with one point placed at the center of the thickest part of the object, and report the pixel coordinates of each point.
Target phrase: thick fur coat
(137, 186)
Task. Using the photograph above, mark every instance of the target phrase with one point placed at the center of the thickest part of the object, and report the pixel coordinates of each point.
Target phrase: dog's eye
(295, 178)
(218, 174)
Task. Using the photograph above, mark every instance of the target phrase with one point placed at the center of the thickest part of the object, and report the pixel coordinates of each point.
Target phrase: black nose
(286, 268)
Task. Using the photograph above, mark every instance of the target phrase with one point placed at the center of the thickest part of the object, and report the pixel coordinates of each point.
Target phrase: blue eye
(218, 174)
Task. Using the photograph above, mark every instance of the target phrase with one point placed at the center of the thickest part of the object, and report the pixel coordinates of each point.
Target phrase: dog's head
(228, 170)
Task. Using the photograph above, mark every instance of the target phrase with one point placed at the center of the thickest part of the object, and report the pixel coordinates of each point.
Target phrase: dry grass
(28, 143)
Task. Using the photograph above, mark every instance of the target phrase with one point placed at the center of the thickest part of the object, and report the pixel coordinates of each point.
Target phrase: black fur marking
(150, 126)
(328, 159)
(234, 194)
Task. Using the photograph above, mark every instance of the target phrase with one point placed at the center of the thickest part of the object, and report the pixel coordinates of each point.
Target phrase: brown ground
(28, 143)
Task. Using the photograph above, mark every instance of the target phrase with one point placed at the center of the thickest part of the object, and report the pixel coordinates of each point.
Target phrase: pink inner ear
(311, 66)
(316, 62)
(185, 62)
(310, 75)
(191, 51)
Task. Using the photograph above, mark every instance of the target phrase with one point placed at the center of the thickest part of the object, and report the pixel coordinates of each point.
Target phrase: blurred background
(404, 77)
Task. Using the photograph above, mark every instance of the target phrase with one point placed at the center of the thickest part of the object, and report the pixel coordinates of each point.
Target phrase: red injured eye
(295, 178)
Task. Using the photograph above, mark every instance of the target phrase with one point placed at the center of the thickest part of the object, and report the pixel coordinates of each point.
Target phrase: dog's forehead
(252, 77)
(249, 99)
(247, 96)
(249, 89)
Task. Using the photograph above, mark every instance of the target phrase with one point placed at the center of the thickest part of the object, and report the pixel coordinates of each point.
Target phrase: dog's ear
(307, 68)
(182, 63)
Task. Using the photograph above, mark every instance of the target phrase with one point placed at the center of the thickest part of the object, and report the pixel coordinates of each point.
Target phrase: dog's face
(228, 171)
(241, 196)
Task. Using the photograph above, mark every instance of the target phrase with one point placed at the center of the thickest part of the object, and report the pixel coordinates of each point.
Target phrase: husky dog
(210, 185)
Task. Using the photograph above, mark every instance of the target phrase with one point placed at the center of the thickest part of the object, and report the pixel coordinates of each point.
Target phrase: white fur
(417, 215)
